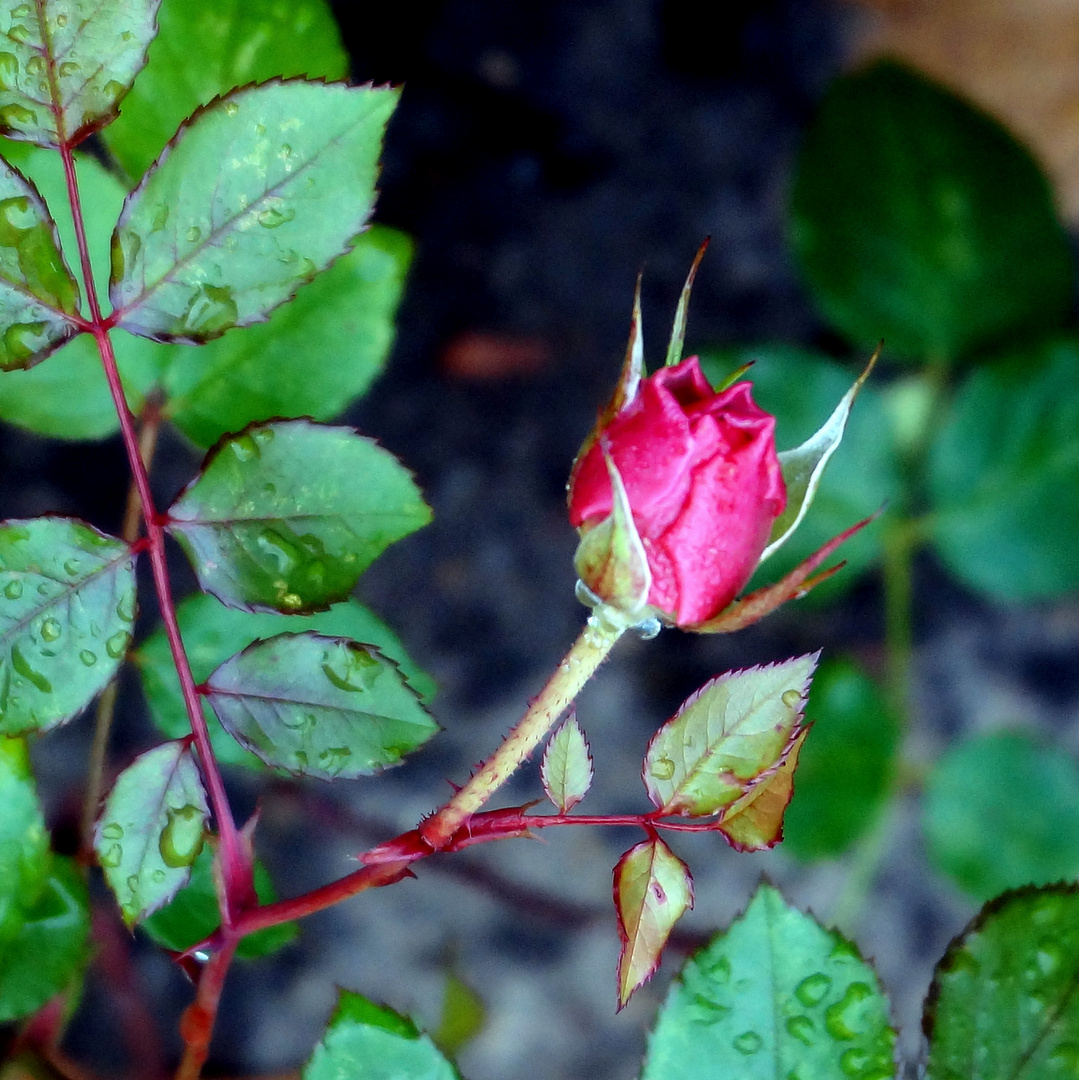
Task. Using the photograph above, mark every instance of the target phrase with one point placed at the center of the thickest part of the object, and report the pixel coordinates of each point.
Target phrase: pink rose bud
(703, 485)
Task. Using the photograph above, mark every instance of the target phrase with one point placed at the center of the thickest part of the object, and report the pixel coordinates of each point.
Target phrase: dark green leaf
(920, 220)
(152, 829)
(365, 1041)
(1001, 810)
(846, 765)
(67, 602)
(207, 47)
(66, 64)
(193, 914)
(24, 843)
(1004, 999)
(286, 516)
(319, 706)
(1004, 476)
(37, 291)
(212, 633)
(50, 948)
(777, 995)
(800, 388)
(260, 192)
(312, 358)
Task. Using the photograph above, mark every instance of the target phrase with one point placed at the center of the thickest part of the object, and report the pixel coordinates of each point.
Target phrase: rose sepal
(678, 330)
(748, 609)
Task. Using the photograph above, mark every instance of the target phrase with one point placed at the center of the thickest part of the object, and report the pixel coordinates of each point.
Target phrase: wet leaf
(345, 318)
(207, 47)
(1004, 998)
(319, 706)
(736, 727)
(1004, 475)
(212, 633)
(776, 995)
(365, 1041)
(918, 219)
(198, 250)
(37, 291)
(65, 65)
(846, 768)
(193, 915)
(51, 947)
(1002, 810)
(286, 516)
(652, 891)
(24, 843)
(67, 604)
(566, 766)
(152, 829)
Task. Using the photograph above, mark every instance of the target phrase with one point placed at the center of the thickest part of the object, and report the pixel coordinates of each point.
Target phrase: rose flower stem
(587, 653)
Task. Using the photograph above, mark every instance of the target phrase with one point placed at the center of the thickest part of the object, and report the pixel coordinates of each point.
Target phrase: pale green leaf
(566, 766)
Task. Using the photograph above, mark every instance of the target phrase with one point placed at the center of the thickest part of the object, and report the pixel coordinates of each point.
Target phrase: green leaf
(286, 516)
(314, 356)
(212, 633)
(463, 1016)
(24, 843)
(846, 767)
(566, 766)
(37, 291)
(1003, 1001)
(66, 64)
(1000, 811)
(725, 736)
(918, 219)
(260, 192)
(1004, 475)
(777, 995)
(652, 891)
(207, 47)
(193, 914)
(51, 947)
(319, 706)
(152, 829)
(365, 1041)
(67, 603)
(800, 387)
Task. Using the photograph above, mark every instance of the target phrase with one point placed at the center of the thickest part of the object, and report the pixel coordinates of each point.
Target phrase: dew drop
(719, 971)
(749, 1042)
(88, 658)
(292, 601)
(9, 71)
(22, 667)
(272, 217)
(71, 567)
(844, 1019)
(811, 990)
(792, 699)
(361, 670)
(706, 1011)
(285, 554)
(113, 90)
(13, 590)
(20, 33)
(111, 856)
(301, 760)
(113, 831)
(35, 65)
(211, 311)
(231, 108)
(158, 877)
(803, 1029)
(43, 589)
(133, 886)
(68, 68)
(332, 760)
(181, 838)
(662, 768)
(245, 448)
(264, 435)
(21, 12)
(853, 1062)
(127, 35)
(22, 340)
(260, 130)
(159, 218)
(117, 645)
(297, 721)
(286, 150)
(125, 608)
(194, 234)
(61, 21)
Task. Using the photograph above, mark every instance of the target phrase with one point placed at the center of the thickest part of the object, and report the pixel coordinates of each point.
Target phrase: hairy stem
(235, 862)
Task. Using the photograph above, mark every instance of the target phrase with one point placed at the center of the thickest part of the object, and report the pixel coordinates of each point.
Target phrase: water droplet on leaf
(285, 554)
(811, 990)
(854, 1061)
(231, 108)
(245, 448)
(9, 71)
(13, 590)
(111, 856)
(113, 90)
(17, 116)
(182, 837)
(61, 21)
(272, 217)
(211, 310)
(356, 671)
(662, 768)
(749, 1042)
(22, 667)
(802, 1029)
(117, 645)
(20, 33)
(35, 65)
(844, 1019)
(68, 68)
(194, 234)
(125, 608)
(71, 567)
(88, 658)
(792, 699)
(23, 340)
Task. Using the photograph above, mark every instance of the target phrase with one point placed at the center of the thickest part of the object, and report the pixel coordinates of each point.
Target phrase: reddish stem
(197, 1023)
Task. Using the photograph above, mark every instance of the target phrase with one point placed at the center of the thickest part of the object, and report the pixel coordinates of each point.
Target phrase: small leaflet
(652, 890)
(152, 829)
(728, 734)
(566, 768)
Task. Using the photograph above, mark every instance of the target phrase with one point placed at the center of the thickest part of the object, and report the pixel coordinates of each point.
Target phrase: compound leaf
(260, 191)
(152, 829)
(67, 604)
(776, 995)
(66, 64)
(286, 515)
(319, 706)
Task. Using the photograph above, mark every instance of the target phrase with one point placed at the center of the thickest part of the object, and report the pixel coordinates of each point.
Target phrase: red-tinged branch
(197, 1022)
(236, 865)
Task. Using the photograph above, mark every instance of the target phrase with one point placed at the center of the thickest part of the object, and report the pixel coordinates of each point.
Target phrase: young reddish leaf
(259, 192)
(152, 829)
(319, 706)
(566, 768)
(652, 890)
(286, 516)
(37, 291)
(734, 729)
(67, 603)
(755, 821)
(66, 64)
